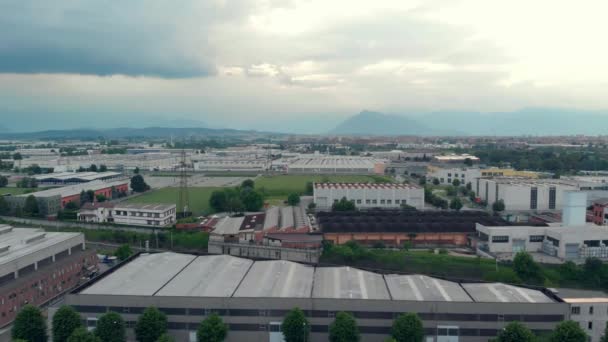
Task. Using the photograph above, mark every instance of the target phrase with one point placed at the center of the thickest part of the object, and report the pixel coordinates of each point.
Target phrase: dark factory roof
(405, 221)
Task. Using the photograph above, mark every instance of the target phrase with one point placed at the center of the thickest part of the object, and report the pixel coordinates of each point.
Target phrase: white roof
(277, 278)
(77, 188)
(423, 288)
(497, 292)
(208, 276)
(348, 282)
(229, 225)
(143, 276)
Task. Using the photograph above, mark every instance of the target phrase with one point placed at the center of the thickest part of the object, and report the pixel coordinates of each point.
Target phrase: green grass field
(18, 191)
(199, 198)
(284, 185)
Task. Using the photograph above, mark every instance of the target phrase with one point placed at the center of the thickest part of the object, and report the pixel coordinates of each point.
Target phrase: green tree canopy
(165, 338)
(29, 325)
(82, 335)
(515, 332)
(4, 207)
(526, 268)
(293, 199)
(123, 252)
(218, 200)
(344, 328)
(138, 184)
(295, 326)
(248, 183)
(251, 199)
(151, 325)
(456, 204)
(3, 181)
(344, 205)
(30, 208)
(456, 182)
(111, 328)
(498, 206)
(65, 321)
(568, 331)
(103, 168)
(407, 328)
(212, 329)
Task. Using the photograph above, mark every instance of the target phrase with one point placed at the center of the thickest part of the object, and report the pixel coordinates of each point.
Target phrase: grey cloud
(136, 38)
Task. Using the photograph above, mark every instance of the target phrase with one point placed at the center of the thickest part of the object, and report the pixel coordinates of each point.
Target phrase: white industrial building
(589, 309)
(522, 193)
(573, 239)
(145, 161)
(315, 164)
(232, 164)
(364, 195)
(456, 158)
(151, 215)
(448, 175)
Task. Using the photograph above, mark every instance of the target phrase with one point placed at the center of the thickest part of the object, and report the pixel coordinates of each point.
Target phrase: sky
(293, 65)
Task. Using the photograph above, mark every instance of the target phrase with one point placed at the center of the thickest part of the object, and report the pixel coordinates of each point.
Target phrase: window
(591, 310)
(367, 201)
(576, 310)
(389, 201)
(449, 175)
(382, 201)
(537, 238)
(375, 201)
(590, 325)
(552, 192)
(397, 201)
(500, 239)
(358, 201)
(533, 198)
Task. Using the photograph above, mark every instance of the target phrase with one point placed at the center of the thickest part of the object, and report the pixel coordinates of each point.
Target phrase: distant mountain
(116, 133)
(527, 121)
(374, 123)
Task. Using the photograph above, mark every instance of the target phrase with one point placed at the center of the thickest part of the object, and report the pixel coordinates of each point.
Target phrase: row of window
(326, 314)
(576, 310)
(374, 201)
(533, 238)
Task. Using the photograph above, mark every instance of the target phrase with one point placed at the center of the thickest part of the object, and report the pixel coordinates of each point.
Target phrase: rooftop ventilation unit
(34, 238)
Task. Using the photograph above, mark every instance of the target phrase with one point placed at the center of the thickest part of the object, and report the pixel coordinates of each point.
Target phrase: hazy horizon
(293, 66)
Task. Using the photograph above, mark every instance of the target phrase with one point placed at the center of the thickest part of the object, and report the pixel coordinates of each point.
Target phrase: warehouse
(394, 228)
(70, 178)
(335, 165)
(232, 165)
(149, 215)
(37, 266)
(50, 201)
(253, 297)
(470, 175)
(365, 195)
(524, 194)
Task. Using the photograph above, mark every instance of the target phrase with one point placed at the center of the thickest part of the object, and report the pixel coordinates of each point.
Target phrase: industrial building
(523, 194)
(253, 297)
(71, 178)
(455, 159)
(317, 164)
(470, 175)
(145, 161)
(394, 228)
(232, 165)
(589, 309)
(50, 201)
(571, 240)
(37, 266)
(600, 212)
(366, 195)
(149, 215)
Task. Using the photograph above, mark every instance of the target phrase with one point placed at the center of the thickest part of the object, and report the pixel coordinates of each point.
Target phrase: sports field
(199, 198)
(286, 184)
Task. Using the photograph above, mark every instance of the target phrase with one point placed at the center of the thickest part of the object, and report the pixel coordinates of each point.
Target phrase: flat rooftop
(141, 206)
(17, 243)
(77, 189)
(223, 276)
(366, 186)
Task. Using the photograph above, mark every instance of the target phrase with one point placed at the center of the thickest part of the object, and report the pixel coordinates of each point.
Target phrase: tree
(123, 252)
(468, 162)
(29, 325)
(165, 338)
(311, 206)
(293, 199)
(248, 183)
(526, 268)
(456, 182)
(90, 196)
(111, 328)
(93, 168)
(407, 328)
(515, 332)
(469, 186)
(295, 326)
(3, 181)
(151, 325)
(103, 168)
(136, 170)
(83, 197)
(65, 321)
(138, 184)
(435, 181)
(568, 331)
(498, 206)
(82, 335)
(4, 207)
(309, 188)
(456, 204)
(30, 208)
(17, 156)
(344, 328)
(101, 198)
(251, 199)
(71, 205)
(212, 329)
(343, 205)
(218, 200)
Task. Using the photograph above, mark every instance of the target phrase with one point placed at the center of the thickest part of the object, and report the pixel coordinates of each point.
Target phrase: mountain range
(529, 121)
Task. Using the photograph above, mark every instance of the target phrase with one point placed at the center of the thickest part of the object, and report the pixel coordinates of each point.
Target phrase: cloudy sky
(293, 65)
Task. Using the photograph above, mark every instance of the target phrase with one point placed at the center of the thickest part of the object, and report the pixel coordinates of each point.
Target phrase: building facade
(364, 195)
(523, 194)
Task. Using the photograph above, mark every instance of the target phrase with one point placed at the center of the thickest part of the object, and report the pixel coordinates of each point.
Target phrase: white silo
(575, 208)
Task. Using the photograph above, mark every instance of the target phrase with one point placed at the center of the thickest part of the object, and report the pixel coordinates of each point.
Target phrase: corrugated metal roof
(277, 278)
(423, 288)
(348, 282)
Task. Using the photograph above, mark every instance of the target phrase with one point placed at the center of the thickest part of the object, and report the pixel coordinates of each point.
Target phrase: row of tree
(67, 326)
(239, 199)
(93, 168)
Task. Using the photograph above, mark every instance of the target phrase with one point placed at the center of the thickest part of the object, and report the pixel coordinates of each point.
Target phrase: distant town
(469, 233)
